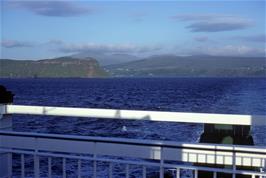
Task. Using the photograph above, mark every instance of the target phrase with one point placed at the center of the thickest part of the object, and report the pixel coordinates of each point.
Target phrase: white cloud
(228, 50)
(16, 44)
(105, 48)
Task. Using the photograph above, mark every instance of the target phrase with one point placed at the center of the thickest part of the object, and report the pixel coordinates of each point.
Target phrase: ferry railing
(232, 159)
(204, 118)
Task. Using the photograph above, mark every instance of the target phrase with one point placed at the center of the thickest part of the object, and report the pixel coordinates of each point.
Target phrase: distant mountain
(191, 66)
(154, 66)
(57, 67)
(107, 59)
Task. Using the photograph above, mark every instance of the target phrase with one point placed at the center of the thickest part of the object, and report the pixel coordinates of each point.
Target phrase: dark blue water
(206, 95)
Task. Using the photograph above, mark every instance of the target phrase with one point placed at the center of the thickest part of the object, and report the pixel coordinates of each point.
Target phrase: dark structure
(225, 134)
(5, 95)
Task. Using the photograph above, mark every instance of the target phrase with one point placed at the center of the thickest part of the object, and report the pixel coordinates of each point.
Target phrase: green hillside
(58, 67)
(191, 66)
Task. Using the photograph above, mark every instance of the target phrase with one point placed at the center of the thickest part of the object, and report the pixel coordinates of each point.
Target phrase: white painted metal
(157, 150)
(110, 170)
(234, 164)
(144, 172)
(139, 162)
(161, 163)
(9, 164)
(64, 167)
(94, 168)
(177, 173)
(49, 167)
(127, 171)
(79, 168)
(196, 174)
(22, 165)
(50, 144)
(2, 110)
(230, 119)
(36, 165)
(214, 174)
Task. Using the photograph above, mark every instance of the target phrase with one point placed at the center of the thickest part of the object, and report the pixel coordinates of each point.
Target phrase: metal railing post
(5, 158)
(6, 97)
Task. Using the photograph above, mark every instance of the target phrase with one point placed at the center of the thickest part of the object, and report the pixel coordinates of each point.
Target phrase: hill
(107, 59)
(191, 66)
(57, 67)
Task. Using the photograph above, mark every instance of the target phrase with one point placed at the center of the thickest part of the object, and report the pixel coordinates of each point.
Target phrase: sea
(197, 95)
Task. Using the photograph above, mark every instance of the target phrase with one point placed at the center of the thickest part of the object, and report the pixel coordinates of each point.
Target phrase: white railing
(163, 155)
(94, 148)
(204, 118)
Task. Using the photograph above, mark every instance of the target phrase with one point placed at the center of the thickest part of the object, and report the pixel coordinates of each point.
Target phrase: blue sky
(45, 29)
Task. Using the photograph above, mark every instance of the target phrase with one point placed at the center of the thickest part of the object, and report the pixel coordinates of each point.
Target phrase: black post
(6, 97)
(225, 134)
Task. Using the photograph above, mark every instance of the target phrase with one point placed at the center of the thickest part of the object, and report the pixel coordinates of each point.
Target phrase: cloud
(253, 38)
(201, 38)
(64, 47)
(213, 22)
(105, 48)
(138, 16)
(55, 42)
(228, 50)
(216, 26)
(15, 44)
(52, 8)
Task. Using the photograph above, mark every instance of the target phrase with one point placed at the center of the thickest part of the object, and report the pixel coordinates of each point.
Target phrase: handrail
(137, 162)
(152, 151)
(141, 142)
(134, 148)
(204, 118)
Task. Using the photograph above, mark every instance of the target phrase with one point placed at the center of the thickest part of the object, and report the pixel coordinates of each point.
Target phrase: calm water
(207, 95)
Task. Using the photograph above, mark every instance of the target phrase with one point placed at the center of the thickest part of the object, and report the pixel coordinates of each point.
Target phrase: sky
(46, 29)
